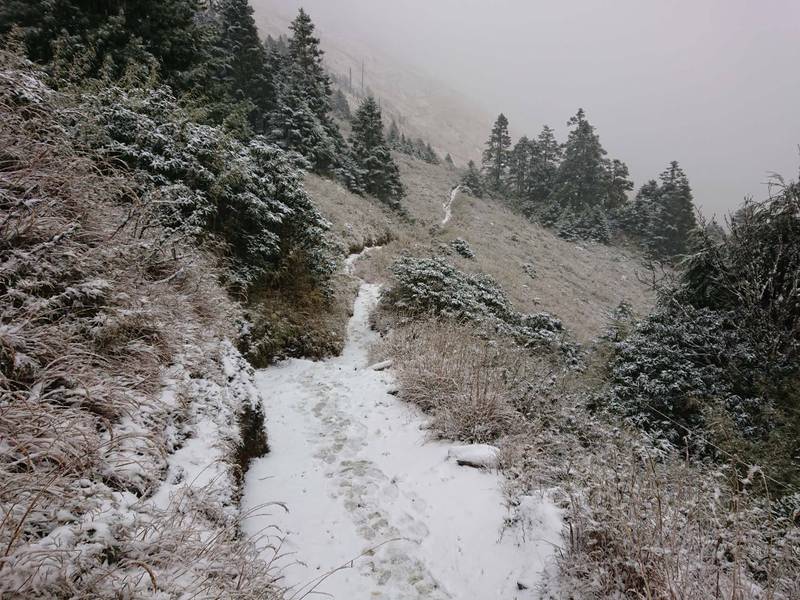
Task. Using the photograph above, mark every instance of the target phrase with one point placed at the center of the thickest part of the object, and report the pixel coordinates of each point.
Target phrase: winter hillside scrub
(365, 505)
(122, 400)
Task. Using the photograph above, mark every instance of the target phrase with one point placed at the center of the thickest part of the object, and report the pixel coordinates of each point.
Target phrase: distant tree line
(575, 188)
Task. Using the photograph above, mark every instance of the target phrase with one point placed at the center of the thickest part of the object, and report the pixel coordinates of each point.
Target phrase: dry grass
(641, 520)
(97, 300)
(475, 389)
(580, 284)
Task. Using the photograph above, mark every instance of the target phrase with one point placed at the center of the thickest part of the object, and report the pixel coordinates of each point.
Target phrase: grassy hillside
(581, 284)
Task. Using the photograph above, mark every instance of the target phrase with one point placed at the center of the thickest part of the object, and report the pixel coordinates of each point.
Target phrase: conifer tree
(394, 138)
(306, 65)
(675, 219)
(380, 174)
(245, 71)
(110, 37)
(472, 180)
(618, 184)
(582, 180)
(496, 155)
(519, 174)
(340, 105)
(545, 160)
(448, 161)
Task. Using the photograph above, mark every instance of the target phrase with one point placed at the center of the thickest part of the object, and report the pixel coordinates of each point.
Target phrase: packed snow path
(448, 204)
(373, 509)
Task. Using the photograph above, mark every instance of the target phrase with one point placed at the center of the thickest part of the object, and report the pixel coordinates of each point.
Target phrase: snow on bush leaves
(202, 180)
(433, 286)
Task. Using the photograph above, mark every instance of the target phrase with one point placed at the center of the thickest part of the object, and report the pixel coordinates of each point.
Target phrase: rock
(382, 366)
(480, 456)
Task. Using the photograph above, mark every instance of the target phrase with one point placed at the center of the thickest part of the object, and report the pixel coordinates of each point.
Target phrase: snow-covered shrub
(675, 364)
(433, 286)
(462, 248)
(530, 270)
(204, 181)
(113, 378)
(590, 224)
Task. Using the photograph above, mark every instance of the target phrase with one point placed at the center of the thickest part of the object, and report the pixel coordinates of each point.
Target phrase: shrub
(433, 286)
(204, 181)
(462, 248)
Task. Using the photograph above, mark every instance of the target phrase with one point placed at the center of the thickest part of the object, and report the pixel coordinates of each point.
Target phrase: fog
(713, 84)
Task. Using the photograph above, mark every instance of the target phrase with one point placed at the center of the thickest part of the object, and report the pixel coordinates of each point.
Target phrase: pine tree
(472, 180)
(581, 181)
(340, 106)
(110, 37)
(496, 156)
(380, 175)
(394, 138)
(306, 65)
(546, 155)
(246, 71)
(519, 174)
(448, 161)
(618, 184)
(675, 220)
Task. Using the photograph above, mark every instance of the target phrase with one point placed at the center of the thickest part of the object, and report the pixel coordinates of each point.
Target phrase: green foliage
(433, 286)
(496, 156)
(244, 71)
(380, 174)
(662, 215)
(472, 180)
(110, 37)
(720, 355)
(250, 195)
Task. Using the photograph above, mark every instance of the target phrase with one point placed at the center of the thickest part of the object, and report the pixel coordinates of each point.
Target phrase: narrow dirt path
(375, 510)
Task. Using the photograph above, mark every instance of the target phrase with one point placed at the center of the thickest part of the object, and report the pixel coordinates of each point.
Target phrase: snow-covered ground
(448, 204)
(374, 510)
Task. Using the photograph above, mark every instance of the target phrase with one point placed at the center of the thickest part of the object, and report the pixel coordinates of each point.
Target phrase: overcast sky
(714, 84)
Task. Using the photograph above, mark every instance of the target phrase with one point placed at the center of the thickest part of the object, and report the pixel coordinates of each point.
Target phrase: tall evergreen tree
(581, 181)
(246, 71)
(340, 106)
(545, 160)
(676, 218)
(306, 65)
(618, 184)
(496, 155)
(448, 161)
(380, 174)
(519, 167)
(472, 180)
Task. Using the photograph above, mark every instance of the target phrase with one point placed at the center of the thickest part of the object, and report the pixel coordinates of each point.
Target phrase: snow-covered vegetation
(178, 196)
(121, 398)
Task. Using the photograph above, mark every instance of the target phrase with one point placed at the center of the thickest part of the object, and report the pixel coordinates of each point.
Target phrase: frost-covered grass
(119, 399)
(643, 519)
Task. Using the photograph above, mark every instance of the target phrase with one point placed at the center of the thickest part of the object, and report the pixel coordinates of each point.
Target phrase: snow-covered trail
(366, 492)
(448, 204)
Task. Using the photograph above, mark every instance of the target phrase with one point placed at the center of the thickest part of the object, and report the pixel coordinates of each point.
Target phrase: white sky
(714, 84)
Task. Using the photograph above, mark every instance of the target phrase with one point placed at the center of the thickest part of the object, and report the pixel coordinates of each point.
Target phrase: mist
(711, 84)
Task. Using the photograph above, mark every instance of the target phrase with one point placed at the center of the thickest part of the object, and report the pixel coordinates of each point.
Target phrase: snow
(366, 506)
(475, 455)
(448, 205)
(350, 261)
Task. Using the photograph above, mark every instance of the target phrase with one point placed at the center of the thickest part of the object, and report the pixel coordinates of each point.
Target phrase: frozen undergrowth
(119, 399)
